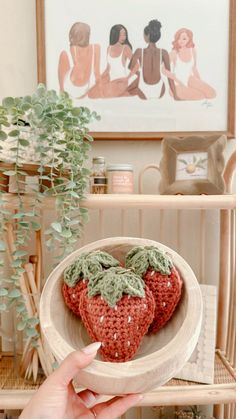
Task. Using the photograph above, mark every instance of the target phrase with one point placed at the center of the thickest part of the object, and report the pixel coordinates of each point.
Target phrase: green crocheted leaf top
(142, 258)
(87, 265)
(113, 283)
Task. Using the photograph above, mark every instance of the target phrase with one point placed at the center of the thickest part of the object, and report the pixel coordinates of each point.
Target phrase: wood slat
(139, 201)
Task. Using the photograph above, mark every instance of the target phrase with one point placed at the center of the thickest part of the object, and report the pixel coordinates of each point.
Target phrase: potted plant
(45, 129)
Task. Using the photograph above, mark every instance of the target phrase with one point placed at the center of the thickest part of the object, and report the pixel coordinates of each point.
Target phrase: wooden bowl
(159, 357)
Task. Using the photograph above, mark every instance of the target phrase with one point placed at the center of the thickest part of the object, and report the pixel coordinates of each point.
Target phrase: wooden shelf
(139, 201)
(16, 392)
(161, 201)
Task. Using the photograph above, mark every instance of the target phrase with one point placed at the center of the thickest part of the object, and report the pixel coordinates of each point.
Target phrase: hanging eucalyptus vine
(55, 132)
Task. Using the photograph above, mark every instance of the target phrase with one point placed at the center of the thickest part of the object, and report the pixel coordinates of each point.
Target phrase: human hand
(57, 398)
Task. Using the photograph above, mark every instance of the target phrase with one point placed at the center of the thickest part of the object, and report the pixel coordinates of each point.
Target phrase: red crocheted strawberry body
(72, 295)
(120, 329)
(166, 290)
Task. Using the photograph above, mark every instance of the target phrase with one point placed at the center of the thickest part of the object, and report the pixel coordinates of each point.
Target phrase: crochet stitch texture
(120, 329)
(161, 277)
(80, 272)
(166, 290)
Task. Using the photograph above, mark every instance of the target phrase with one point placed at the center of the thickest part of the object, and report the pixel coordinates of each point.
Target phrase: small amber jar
(98, 180)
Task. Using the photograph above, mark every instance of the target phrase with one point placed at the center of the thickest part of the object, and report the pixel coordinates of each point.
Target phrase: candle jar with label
(120, 178)
(98, 180)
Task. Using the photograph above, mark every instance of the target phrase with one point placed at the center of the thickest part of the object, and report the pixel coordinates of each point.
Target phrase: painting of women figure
(117, 78)
(153, 62)
(79, 69)
(183, 58)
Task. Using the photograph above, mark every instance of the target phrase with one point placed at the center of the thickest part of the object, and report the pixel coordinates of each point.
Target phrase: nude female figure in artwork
(117, 78)
(80, 68)
(183, 58)
(153, 62)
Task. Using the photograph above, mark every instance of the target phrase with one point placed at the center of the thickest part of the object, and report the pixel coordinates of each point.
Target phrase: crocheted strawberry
(78, 273)
(161, 277)
(117, 310)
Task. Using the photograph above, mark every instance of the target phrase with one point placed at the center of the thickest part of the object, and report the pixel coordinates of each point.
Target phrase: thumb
(71, 365)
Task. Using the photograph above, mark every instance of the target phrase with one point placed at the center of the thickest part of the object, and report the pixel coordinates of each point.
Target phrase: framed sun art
(149, 69)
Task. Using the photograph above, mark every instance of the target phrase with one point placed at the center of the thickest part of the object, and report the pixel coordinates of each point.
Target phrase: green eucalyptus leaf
(9, 172)
(74, 194)
(34, 344)
(14, 293)
(16, 263)
(33, 321)
(21, 326)
(31, 332)
(8, 102)
(49, 243)
(18, 215)
(41, 89)
(66, 233)
(20, 308)
(85, 172)
(38, 109)
(26, 106)
(85, 217)
(5, 123)
(57, 227)
(76, 111)
(3, 307)
(21, 172)
(71, 185)
(24, 224)
(73, 222)
(24, 142)
(2, 246)
(89, 138)
(3, 292)
(20, 253)
(35, 226)
(14, 133)
(20, 270)
(3, 135)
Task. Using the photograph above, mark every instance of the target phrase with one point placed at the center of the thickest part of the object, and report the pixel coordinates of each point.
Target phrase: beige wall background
(18, 76)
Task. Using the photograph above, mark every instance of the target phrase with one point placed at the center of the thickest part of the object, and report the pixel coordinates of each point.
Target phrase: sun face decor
(192, 165)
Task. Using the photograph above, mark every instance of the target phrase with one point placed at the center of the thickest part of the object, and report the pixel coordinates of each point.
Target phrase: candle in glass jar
(120, 178)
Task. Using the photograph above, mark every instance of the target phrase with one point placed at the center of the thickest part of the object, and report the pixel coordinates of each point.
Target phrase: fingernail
(92, 348)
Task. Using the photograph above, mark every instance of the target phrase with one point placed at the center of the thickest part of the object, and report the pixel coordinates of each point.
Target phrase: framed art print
(192, 165)
(149, 69)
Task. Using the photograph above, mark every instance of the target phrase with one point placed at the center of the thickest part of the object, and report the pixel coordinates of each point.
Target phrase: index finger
(71, 365)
